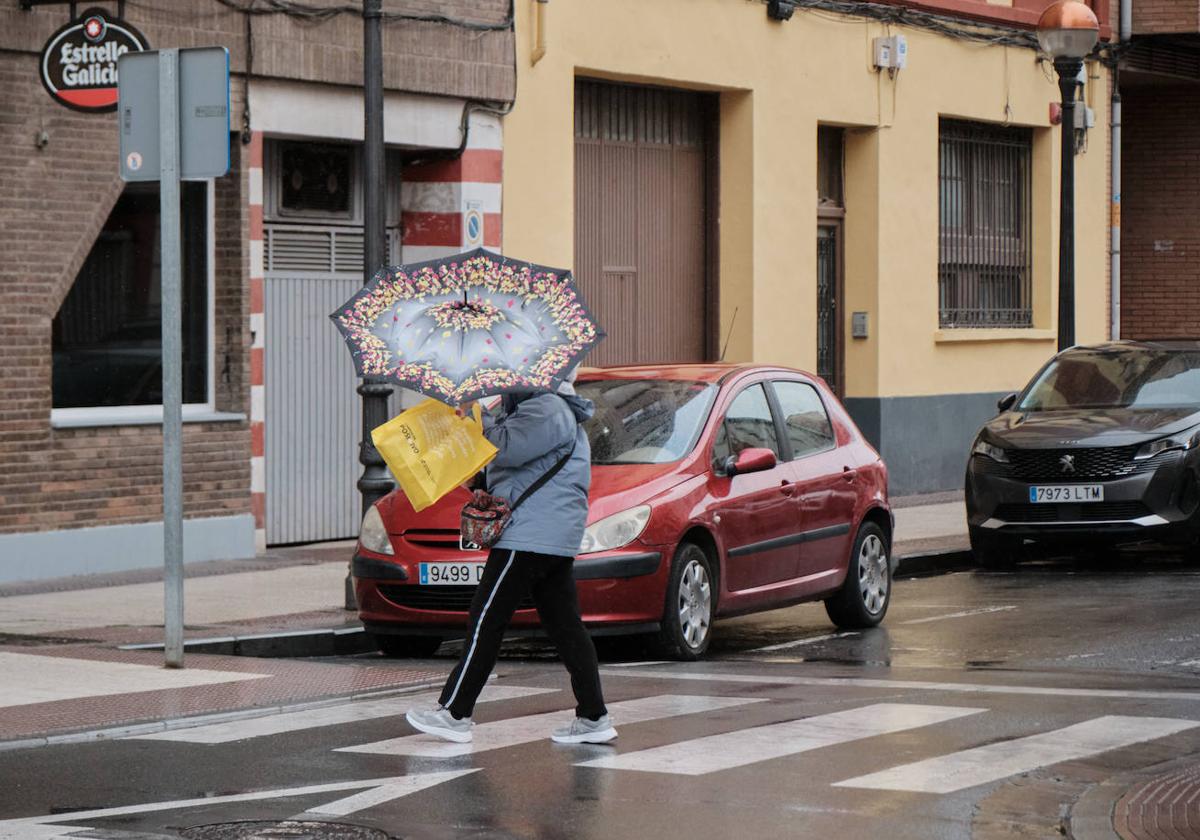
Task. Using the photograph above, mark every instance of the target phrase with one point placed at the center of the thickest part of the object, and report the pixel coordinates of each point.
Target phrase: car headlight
(616, 530)
(1183, 441)
(988, 450)
(373, 536)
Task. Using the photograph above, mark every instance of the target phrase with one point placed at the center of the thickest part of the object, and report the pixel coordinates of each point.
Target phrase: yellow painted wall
(777, 82)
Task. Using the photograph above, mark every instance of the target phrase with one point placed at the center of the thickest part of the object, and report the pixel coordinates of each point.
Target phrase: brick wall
(53, 203)
(1162, 17)
(1160, 237)
(420, 57)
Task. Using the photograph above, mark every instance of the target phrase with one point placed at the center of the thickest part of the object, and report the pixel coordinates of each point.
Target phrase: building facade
(762, 189)
(271, 417)
(867, 191)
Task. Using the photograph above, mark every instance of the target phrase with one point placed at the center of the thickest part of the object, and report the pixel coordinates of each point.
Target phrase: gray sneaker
(584, 731)
(440, 723)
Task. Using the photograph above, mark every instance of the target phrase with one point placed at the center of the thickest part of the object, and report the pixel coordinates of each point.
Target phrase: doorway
(642, 205)
(831, 213)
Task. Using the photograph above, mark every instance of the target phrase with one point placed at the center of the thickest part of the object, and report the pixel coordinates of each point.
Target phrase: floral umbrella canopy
(468, 326)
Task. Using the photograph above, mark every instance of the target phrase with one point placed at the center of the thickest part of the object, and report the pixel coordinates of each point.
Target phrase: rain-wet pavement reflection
(1031, 616)
(965, 664)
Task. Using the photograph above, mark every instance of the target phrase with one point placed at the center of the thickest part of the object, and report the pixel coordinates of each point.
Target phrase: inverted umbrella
(468, 326)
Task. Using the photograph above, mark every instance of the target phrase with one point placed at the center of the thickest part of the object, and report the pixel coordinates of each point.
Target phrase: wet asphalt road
(959, 697)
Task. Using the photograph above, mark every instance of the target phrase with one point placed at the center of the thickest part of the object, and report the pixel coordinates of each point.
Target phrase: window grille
(984, 205)
(315, 178)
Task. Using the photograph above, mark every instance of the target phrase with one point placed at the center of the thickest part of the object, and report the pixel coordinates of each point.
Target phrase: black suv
(1102, 446)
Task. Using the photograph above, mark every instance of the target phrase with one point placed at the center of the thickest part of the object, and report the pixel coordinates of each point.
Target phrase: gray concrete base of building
(924, 440)
(119, 548)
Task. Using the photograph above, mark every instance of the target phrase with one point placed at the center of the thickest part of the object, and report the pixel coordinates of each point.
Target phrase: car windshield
(1135, 378)
(645, 421)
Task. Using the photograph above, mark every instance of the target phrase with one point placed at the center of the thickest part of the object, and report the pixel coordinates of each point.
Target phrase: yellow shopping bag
(431, 450)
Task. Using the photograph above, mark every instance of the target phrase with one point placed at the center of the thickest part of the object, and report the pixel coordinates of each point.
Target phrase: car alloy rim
(695, 603)
(873, 574)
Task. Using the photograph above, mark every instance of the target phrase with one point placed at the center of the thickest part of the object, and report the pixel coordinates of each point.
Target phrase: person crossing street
(536, 435)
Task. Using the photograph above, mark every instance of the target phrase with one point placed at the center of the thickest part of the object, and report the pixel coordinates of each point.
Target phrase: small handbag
(485, 517)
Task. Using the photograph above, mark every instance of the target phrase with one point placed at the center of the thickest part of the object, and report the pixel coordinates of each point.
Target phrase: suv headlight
(615, 531)
(373, 536)
(1183, 441)
(988, 450)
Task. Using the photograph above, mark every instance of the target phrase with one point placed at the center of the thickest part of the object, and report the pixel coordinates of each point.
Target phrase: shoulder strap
(541, 482)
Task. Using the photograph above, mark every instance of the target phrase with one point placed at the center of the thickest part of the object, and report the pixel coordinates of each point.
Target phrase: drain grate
(22, 640)
(1166, 808)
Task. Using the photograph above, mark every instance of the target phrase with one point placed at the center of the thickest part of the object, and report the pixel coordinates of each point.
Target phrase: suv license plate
(441, 574)
(1072, 493)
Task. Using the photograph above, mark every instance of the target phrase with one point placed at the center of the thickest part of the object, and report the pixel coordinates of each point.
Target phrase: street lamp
(374, 482)
(1067, 31)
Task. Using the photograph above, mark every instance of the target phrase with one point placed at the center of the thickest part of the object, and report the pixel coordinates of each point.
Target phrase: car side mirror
(750, 461)
(1006, 402)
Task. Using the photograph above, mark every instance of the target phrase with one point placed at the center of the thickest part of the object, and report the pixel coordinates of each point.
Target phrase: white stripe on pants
(478, 624)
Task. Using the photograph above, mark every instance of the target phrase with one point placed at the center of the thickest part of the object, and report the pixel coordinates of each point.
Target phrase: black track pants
(507, 577)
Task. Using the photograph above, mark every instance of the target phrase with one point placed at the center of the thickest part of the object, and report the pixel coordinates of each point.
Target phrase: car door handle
(787, 488)
(849, 474)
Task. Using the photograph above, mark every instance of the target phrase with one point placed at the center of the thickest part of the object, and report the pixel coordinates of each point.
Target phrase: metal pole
(375, 482)
(1068, 74)
(1114, 228)
(172, 356)
(1124, 30)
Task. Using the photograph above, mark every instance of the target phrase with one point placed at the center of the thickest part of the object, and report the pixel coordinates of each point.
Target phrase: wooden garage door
(640, 220)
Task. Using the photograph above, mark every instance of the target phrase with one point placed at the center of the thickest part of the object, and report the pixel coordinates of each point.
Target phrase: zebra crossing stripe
(990, 763)
(20, 829)
(384, 793)
(349, 712)
(899, 685)
(763, 743)
(524, 730)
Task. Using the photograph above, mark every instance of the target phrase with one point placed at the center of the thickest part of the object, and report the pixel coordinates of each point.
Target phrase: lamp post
(1067, 31)
(374, 482)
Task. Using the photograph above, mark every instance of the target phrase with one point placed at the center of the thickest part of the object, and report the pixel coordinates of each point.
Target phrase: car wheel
(407, 647)
(993, 551)
(864, 597)
(687, 617)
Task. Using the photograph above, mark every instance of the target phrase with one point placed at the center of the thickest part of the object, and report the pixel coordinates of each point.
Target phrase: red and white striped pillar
(454, 205)
(258, 472)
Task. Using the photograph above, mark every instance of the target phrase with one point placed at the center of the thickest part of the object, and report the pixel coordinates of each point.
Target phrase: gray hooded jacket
(532, 433)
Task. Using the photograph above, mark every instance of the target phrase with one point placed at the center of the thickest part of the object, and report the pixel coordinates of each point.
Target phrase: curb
(354, 639)
(938, 562)
(331, 641)
(1092, 815)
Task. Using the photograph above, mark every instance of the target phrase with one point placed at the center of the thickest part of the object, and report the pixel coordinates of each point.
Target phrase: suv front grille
(1090, 512)
(439, 598)
(1046, 465)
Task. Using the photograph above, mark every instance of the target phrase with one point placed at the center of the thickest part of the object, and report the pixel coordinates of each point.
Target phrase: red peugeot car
(716, 490)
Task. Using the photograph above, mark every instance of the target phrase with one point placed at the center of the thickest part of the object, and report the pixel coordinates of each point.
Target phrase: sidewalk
(82, 656)
(931, 533)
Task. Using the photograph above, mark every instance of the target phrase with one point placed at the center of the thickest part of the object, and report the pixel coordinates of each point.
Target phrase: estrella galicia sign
(79, 62)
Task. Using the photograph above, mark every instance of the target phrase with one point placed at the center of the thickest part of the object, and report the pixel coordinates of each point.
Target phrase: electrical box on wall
(891, 53)
(858, 325)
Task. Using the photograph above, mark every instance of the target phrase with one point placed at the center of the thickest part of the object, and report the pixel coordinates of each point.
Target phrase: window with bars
(984, 241)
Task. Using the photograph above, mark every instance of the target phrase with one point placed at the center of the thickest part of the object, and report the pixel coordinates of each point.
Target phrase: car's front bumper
(1155, 504)
(618, 591)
